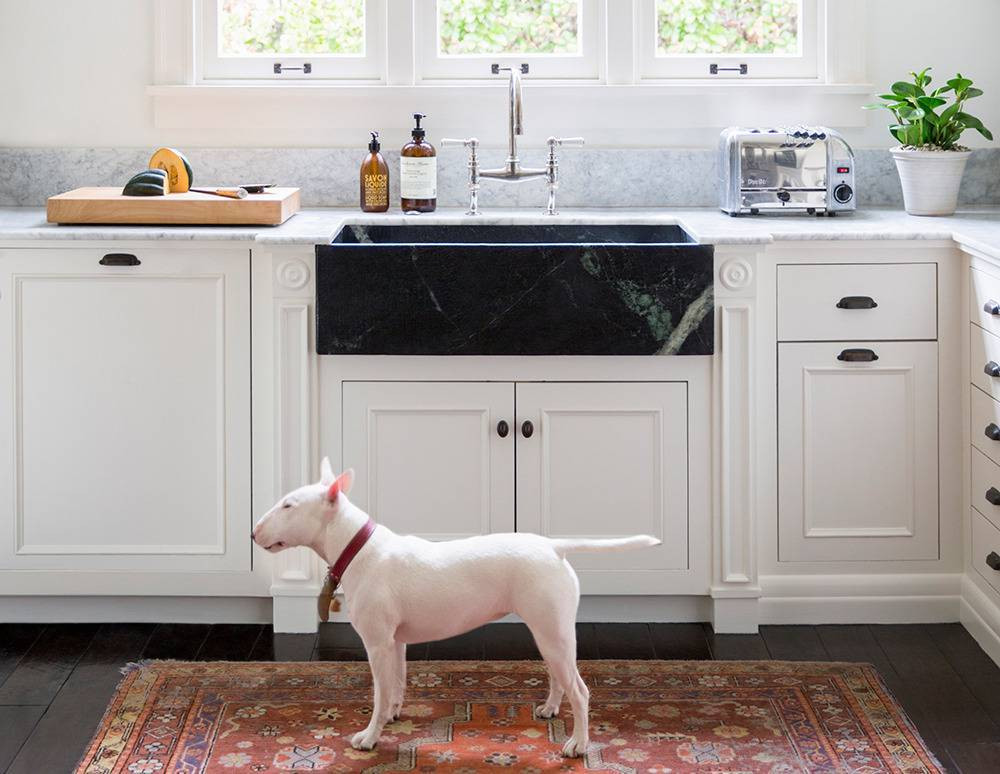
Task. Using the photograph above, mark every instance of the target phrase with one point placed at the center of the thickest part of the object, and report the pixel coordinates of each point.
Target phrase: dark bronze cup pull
(503, 428)
(992, 431)
(527, 428)
(993, 561)
(993, 496)
(992, 368)
(119, 259)
(857, 302)
(992, 307)
(857, 356)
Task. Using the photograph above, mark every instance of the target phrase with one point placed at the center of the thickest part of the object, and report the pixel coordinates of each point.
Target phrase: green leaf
(904, 89)
(929, 103)
(973, 93)
(970, 121)
(960, 83)
(912, 114)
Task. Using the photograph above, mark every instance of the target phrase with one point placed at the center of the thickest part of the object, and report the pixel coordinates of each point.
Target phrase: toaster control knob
(843, 193)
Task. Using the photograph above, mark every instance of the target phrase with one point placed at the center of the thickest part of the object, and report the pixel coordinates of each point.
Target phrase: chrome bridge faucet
(512, 171)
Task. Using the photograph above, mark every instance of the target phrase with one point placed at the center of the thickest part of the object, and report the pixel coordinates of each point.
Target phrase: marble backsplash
(590, 177)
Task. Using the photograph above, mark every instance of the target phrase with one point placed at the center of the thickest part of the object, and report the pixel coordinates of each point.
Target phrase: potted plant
(929, 159)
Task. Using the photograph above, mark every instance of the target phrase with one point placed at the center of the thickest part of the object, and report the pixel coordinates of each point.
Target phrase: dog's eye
(286, 505)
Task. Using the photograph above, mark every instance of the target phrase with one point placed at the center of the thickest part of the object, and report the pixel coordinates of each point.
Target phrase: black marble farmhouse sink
(514, 290)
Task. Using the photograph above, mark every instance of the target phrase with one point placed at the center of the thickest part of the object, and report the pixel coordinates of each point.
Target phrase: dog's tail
(565, 546)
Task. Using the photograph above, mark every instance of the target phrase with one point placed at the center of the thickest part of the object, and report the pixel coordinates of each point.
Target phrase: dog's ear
(326, 476)
(346, 480)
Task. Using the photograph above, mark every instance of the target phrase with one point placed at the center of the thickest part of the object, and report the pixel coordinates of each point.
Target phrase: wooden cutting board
(107, 205)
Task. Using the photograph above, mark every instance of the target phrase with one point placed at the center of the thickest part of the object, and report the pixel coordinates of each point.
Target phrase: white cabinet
(125, 410)
(857, 451)
(599, 460)
(606, 460)
(428, 458)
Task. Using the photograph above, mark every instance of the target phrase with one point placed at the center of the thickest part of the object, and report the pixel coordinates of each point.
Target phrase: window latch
(714, 69)
(306, 68)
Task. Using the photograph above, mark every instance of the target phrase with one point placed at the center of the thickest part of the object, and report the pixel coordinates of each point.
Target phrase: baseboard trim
(852, 599)
(980, 615)
(107, 609)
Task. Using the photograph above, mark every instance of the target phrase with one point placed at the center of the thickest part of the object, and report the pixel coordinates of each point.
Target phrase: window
(730, 38)
(555, 38)
(310, 39)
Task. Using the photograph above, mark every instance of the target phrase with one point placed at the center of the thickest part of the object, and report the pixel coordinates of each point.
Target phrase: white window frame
(587, 64)
(367, 66)
(807, 65)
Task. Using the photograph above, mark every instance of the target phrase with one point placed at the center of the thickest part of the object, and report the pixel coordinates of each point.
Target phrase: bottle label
(376, 190)
(418, 177)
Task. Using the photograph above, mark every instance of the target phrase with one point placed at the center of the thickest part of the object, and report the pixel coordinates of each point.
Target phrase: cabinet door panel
(130, 395)
(607, 460)
(857, 452)
(428, 458)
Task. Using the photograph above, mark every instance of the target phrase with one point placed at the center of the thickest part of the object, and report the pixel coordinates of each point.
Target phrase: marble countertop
(976, 228)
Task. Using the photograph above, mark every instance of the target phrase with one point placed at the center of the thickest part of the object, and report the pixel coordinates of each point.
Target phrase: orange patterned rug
(653, 717)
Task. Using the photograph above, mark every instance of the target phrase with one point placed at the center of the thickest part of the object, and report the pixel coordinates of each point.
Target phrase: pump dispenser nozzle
(374, 146)
(418, 131)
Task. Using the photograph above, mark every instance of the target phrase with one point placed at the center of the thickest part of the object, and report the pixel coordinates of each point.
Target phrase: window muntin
(338, 39)
(771, 38)
(459, 39)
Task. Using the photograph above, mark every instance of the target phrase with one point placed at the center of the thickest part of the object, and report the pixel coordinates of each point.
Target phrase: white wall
(75, 74)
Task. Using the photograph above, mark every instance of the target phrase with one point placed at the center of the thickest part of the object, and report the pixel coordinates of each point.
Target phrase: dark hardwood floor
(55, 681)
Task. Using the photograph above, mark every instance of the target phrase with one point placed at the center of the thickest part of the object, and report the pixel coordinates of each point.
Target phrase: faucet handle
(566, 142)
(471, 142)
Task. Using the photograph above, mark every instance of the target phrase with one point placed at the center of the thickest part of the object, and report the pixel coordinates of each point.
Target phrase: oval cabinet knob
(527, 428)
(993, 496)
(992, 307)
(993, 561)
(992, 368)
(992, 431)
(503, 428)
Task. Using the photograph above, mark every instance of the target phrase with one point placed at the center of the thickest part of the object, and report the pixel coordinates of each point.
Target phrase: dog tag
(335, 605)
(325, 599)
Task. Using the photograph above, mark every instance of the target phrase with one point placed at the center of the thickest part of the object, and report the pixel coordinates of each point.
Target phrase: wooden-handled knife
(229, 193)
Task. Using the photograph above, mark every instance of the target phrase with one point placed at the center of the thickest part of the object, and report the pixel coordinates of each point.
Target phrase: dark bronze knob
(993, 496)
(992, 307)
(503, 428)
(992, 431)
(993, 560)
(992, 368)
(527, 429)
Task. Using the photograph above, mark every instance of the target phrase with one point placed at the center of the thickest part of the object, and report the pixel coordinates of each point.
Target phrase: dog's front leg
(382, 658)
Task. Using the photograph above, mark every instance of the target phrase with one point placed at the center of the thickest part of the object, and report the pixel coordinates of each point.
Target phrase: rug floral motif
(463, 717)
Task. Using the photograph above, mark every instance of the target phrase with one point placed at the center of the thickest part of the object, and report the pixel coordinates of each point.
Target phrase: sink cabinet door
(857, 452)
(607, 460)
(428, 458)
(125, 411)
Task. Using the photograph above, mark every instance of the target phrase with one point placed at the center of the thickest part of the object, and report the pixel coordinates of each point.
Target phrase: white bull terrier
(403, 589)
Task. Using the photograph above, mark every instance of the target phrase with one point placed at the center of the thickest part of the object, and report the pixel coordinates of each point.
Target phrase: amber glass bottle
(374, 179)
(418, 172)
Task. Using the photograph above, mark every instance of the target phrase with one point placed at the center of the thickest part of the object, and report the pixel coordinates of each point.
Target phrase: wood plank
(736, 647)
(338, 635)
(44, 668)
(283, 647)
(793, 643)
(176, 641)
(680, 641)
(107, 205)
(509, 642)
(470, 646)
(624, 640)
(230, 642)
(586, 641)
(61, 736)
(977, 670)
(17, 724)
(975, 757)
(947, 704)
(15, 641)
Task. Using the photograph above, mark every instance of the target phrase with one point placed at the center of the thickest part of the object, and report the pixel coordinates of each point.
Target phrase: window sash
(587, 65)
(369, 66)
(807, 65)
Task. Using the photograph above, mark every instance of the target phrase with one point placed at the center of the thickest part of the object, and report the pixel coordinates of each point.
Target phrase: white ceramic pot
(930, 179)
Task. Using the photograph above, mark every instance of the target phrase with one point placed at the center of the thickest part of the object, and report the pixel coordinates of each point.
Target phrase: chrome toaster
(789, 169)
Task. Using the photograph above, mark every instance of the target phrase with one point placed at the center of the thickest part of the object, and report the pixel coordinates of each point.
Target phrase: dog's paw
(574, 748)
(364, 740)
(545, 711)
(395, 711)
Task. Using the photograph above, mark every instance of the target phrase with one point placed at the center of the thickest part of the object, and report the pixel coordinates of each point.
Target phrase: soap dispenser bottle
(418, 172)
(374, 179)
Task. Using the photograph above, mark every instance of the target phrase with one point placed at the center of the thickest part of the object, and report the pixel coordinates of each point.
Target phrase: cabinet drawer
(984, 352)
(984, 298)
(904, 297)
(985, 541)
(984, 424)
(985, 486)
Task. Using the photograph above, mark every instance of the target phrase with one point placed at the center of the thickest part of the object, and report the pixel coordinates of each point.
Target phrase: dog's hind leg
(399, 688)
(382, 658)
(551, 706)
(559, 651)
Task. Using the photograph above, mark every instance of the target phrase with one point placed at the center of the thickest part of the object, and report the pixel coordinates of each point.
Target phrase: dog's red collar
(350, 551)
